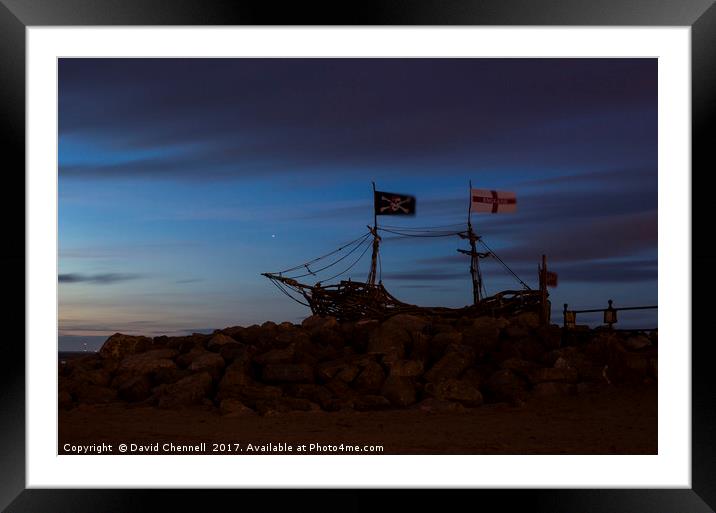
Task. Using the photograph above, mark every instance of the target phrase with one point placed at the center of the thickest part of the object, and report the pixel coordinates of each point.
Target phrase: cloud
(219, 118)
(99, 279)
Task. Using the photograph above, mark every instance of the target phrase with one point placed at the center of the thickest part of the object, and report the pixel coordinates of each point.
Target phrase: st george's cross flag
(392, 204)
(487, 201)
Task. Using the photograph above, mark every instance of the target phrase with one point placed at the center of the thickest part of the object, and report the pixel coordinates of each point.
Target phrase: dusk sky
(181, 180)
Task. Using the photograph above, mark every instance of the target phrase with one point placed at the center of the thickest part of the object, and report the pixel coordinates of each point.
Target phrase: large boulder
(189, 391)
(370, 379)
(529, 320)
(235, 377)
(505, 385)
(147, 363)
(318, 394)
(317, 323)
(218, 340)
(399, 391)
(135, 388)
(233, 408)
(282, 355)
(208, 362)
(119, 345)
(483, 334)
(288, 373)
(395, 335)
(456, 390)
(185, 360)
(637, 342)
(456, 360)
(406, 368)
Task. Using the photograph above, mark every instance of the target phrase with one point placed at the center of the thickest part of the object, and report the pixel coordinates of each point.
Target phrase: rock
(550, 336)
(135, 388)
(554, 388)
(389, 340)
(284, 355)
(505, 385)
(433, 405)
(451, 365)
(233, 408)
(420, 350)
(328, 370)
(118, 346)
(166, 376)
(529, 320)
(314, 393)
(185, 392)
(252, 392)
(316, 323)
(473, 376)
(631, 367)
(529, 348)
(410, 323)
(371, 402)
(288, 373)
(99, 377)
(147, 363)
(233, 351)
(218, 340)
(637, 342)
(395, 335)
(64, 399)
(406, 368)
(370, 379)
(184, 360)
(483, 334)
(519, 366)
(455, 390)
(235, 377)
(93, 394)
(561, 375)
(399, 391)
(517, 331)
(208, 362)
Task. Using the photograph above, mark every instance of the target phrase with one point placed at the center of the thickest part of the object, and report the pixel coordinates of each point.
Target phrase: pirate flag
(392, 204)
(485, 201)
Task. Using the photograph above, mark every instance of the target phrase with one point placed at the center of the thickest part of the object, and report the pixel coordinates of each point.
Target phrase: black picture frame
(17, 15)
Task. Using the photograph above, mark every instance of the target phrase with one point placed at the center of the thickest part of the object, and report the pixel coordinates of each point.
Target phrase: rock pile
(405, 361)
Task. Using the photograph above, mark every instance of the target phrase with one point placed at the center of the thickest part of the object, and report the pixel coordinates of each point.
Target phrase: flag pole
(376, 243)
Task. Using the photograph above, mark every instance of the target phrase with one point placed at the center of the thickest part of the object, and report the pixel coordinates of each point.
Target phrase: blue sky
(181, 180)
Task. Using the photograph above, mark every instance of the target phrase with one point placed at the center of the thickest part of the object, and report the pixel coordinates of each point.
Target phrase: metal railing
(610, 313)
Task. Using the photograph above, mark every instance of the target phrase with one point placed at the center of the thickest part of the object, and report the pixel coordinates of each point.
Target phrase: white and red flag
(487, 201)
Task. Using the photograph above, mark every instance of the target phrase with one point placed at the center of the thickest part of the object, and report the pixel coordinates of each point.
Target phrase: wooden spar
(474, 257)
(376, 243)
(544, 305)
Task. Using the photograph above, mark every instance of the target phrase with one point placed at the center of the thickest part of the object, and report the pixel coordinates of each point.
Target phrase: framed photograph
(420, 248)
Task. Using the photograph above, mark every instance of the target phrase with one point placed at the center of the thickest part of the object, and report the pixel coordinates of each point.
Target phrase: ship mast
(376, 244)
(477, 286)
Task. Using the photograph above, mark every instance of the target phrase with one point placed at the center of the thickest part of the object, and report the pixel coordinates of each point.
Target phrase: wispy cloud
(99, 279)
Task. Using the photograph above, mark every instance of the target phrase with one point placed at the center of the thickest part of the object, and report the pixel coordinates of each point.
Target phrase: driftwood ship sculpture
(350, 300)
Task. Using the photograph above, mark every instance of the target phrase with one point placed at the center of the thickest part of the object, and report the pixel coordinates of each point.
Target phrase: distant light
(273, 235)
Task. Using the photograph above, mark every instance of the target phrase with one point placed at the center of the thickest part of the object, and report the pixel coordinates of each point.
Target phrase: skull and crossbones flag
(392, 204)
(485, 201)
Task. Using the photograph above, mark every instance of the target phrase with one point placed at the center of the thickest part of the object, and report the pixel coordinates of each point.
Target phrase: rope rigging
(364, 241)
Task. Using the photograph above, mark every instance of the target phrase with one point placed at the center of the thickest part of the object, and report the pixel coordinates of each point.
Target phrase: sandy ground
(612, 420)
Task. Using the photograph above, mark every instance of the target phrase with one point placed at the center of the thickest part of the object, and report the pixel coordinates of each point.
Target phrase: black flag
(392, 204)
